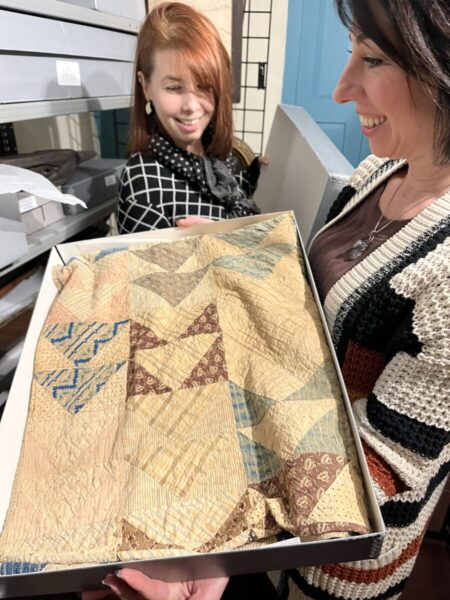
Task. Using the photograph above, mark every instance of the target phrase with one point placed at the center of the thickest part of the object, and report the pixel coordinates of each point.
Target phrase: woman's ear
(141, 79)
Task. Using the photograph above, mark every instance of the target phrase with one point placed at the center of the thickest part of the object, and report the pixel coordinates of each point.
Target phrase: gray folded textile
(57, 165)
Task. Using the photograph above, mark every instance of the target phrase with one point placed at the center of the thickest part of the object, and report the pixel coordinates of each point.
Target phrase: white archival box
(288, 554)
(306, 170)
(12, 231)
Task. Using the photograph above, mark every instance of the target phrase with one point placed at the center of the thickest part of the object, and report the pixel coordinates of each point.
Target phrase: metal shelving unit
(54, 9)
(69, 12)
(44, 239)
(22, 111)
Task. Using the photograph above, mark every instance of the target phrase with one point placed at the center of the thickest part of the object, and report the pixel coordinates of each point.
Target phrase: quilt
(183, 400)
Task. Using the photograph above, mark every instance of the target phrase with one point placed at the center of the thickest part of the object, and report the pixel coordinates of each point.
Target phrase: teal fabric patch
(248, 238)
(258, 264)
(260, 462)
(249, 408)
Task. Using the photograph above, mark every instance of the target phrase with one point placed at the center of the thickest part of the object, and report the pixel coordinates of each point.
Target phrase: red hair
(177, 26)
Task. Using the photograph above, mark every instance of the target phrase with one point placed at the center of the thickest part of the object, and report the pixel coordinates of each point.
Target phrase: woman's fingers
(150, 589)
(129, 584)
(192, 220)
(263, 160)
(121, 589)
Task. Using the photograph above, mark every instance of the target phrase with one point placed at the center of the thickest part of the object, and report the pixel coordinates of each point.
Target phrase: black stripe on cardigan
(347, 192)
(319, 594)
(344, 196)
(402, 514)
(370, 323)
(423, 439)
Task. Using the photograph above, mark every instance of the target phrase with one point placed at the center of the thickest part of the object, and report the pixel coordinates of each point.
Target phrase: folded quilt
(183, 400)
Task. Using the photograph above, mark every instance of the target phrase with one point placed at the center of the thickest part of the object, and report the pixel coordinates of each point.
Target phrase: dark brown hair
(415, 34)
(176, 26)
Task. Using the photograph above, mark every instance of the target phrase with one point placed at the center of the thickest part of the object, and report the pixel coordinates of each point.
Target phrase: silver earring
(148, 107)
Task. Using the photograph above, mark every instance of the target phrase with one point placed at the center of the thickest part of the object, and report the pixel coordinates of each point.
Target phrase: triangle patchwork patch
(73, 388)
(322, 384)
(135, 539)
(326, 435)
(140, 381)
(249, 408)
(168, 255)
(304, 479)
(249, 238)
(258, 264)
(172, 287)
(80, 342)
(207, 322)
(210, 369)
(260, 462)
(143, 338)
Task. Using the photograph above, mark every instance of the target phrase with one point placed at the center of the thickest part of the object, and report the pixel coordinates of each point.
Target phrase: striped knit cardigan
(390, 323)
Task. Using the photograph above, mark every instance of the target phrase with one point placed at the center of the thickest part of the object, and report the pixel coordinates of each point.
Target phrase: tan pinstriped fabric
(183, 400)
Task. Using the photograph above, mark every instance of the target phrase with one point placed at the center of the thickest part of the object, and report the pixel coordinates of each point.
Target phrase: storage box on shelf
(94, 181)
(78, 13)
(43, 77)
(12, 231)
(37, 213)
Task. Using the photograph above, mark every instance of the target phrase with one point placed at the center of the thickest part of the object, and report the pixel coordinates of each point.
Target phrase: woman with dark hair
(382, 267)
(181, 127)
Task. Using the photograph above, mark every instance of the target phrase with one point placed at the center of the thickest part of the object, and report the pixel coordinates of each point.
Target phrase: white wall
(78, 132)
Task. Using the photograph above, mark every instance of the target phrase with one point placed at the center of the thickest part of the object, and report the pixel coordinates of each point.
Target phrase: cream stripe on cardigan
(391, 249)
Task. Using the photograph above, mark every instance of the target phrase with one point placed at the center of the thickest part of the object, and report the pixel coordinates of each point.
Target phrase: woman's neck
(425, 178)
(194, 148)
(431, 185)
(413, 189)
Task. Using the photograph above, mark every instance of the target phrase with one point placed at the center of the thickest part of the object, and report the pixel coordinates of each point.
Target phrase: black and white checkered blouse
(153, 196)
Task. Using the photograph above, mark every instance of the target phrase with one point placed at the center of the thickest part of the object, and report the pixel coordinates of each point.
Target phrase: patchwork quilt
(183, 400)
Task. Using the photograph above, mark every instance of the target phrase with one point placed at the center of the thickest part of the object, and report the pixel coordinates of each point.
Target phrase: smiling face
(184, 108)
(396, 111)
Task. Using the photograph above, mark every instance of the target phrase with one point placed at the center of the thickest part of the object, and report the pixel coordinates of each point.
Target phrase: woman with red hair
(181, 127)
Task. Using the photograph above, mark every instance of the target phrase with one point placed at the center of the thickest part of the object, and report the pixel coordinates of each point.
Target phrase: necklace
(361, 245)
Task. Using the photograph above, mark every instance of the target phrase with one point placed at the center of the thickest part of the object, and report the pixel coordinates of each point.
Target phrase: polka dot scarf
(210, 175)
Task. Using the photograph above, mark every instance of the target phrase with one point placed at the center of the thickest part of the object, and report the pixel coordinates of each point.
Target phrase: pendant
(358, 248)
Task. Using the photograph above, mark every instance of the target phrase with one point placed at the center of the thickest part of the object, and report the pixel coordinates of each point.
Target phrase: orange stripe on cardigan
(374, 575)
(383, 473)
(362, 367)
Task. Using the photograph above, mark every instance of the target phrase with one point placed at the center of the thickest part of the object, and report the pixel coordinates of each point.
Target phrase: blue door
(316, 52)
